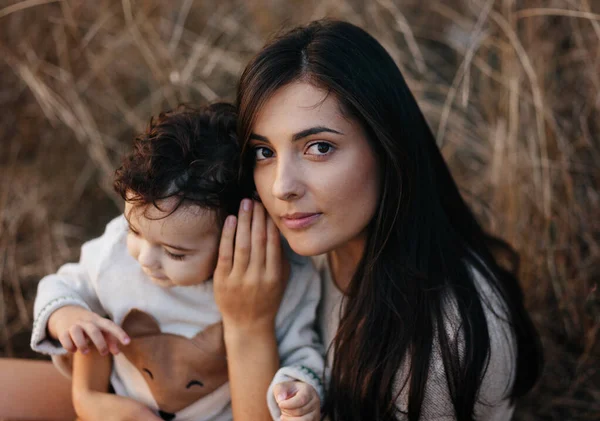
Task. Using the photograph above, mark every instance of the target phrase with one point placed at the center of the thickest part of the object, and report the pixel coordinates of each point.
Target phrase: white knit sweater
(492, 405)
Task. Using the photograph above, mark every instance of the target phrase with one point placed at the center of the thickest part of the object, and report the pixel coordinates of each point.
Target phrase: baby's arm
(91, 372)
(91, 378)
(73, 291)
(297, 390)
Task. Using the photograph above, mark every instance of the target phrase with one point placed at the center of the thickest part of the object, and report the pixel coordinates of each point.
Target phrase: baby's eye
(319, 148)
(174, 256)
(133, 232)
(262, 152)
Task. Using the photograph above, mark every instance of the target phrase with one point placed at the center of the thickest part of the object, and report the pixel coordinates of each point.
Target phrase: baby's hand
(297, 401)
(75, 327)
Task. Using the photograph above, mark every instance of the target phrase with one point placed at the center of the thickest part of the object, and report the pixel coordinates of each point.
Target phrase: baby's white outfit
(110, 282)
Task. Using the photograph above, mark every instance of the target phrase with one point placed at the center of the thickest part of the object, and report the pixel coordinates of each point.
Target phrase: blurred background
(511, 88)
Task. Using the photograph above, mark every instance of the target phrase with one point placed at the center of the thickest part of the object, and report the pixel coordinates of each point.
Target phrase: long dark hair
(423, 242)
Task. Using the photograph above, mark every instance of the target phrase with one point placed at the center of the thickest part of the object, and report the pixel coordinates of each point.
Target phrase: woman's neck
(344, 260)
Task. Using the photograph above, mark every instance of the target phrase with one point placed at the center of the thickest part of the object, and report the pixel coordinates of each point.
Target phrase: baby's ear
(211, 338)
(137, 323)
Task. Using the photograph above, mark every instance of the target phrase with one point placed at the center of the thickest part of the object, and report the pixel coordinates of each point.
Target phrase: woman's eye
(262, 152)
(319, 148)
(174, 256)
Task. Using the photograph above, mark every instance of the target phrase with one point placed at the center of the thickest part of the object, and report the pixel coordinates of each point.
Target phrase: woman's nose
(287, 184)
(148, 256)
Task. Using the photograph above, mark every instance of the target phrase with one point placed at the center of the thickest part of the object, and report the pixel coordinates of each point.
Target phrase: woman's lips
(297, 221)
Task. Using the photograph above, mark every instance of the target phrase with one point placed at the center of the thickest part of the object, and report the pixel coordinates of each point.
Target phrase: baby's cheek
(133, 246)
(201, 270)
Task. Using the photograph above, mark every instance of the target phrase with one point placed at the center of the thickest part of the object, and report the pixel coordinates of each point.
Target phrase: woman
(421, 321)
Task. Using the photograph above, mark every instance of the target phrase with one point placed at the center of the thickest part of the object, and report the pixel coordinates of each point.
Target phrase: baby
(147, 283)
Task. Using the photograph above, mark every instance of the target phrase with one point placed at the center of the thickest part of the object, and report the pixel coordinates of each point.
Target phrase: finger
(225, 261)
(242, 238)
(259, 238)
(273, 252)
(66, 342)
(116, 331)
(298, 404)
(296, 413)
(78, 338)
(95, 335)
(311, 416)
(112, 343)
(285, 390)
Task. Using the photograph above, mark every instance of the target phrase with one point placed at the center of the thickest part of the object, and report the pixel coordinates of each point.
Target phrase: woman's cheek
(262, 181)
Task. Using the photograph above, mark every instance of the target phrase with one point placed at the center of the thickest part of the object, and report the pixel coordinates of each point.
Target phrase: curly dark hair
(191, 154)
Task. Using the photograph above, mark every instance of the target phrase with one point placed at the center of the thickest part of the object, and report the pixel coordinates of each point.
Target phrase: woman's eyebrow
(313, 130)
(301, 134)
(260, 138)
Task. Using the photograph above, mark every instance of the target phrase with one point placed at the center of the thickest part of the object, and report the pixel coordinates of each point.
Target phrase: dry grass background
(511, 87)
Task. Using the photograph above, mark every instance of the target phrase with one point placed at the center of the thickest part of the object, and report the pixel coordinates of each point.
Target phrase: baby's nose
(148, 257)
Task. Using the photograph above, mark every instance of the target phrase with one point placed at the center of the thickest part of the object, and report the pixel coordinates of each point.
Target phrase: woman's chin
(307, 246)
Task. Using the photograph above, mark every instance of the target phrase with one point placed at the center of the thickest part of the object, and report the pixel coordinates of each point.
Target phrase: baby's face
(175, 250)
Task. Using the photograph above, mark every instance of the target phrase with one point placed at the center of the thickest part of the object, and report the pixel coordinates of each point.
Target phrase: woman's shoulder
(498, 377)
(500, 370)
(502, 362)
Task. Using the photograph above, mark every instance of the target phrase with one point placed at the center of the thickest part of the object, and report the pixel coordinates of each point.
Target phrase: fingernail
(230, 222)
(85, 351)
(280, 397)
(126, 340)
(246, 204)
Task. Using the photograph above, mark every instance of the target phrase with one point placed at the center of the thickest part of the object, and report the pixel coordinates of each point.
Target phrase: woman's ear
(137, 323)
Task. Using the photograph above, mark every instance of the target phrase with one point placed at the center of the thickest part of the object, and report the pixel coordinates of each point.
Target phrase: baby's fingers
(95, 335)
(299, 404)
(112, 329)
(113, 344)
(78, 337)
(313, 416)
(66, 342)
(308, 417)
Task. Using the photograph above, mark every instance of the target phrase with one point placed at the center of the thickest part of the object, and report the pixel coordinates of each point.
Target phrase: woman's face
(315, 171)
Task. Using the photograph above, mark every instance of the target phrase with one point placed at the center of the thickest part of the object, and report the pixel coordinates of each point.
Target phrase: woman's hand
(249, 282)
(76, 327)
(98, 406)
(250, 275)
